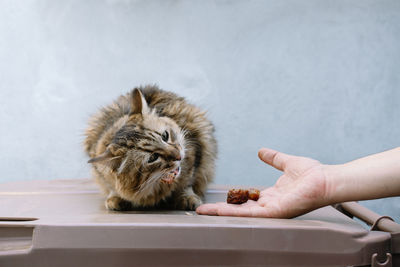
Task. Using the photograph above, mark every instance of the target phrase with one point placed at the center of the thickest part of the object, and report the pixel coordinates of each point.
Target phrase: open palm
(300, 189)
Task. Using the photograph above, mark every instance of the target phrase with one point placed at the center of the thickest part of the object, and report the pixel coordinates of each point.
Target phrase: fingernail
(261, 153)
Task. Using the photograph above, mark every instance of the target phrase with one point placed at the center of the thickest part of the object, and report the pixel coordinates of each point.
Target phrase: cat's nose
(175, 156)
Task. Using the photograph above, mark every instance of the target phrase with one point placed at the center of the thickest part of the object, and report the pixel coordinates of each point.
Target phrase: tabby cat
(151, 148)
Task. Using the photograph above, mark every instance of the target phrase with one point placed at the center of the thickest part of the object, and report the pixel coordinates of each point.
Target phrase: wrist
(371, 177)
(334, 186)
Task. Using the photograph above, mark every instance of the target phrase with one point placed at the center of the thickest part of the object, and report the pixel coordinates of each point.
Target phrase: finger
(274, 158)
(207, 209)
(249, 209)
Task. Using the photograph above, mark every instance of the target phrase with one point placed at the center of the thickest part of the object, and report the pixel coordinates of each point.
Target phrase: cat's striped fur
(151, 148)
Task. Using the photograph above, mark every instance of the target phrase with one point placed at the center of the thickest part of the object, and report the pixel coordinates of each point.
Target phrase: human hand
(302, 188)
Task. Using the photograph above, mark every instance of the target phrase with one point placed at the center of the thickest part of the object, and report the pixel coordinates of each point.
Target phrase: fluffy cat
(150, 148)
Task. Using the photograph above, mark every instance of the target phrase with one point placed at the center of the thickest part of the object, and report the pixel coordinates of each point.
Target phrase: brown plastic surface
(65, 223)
(377, 222)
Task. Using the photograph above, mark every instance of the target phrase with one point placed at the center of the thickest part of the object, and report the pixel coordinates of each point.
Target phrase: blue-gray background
(312, 78)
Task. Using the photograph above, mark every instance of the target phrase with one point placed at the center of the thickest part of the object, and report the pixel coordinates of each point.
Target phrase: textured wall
(313, 78)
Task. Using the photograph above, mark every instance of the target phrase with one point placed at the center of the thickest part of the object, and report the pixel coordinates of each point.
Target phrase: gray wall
(313, 78)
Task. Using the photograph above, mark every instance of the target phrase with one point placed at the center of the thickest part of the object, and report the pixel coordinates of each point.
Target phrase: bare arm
(371, 177)
(306, 184)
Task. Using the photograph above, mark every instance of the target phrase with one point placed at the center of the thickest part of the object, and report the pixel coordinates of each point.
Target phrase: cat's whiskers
(122, 166)
(153, 177)
(149, 183)
(138, 170)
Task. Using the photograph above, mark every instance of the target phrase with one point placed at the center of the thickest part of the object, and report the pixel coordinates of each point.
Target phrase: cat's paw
(118, 204)
(188, 202)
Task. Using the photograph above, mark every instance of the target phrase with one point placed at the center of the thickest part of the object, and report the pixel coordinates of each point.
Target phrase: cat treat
(254, 194)
(239, 196)
(151, 148)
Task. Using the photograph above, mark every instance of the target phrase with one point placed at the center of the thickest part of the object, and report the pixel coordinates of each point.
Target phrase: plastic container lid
(65, 223)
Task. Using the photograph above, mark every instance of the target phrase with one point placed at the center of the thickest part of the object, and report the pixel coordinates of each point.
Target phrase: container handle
(378, 222)
(376, 263)
(375, 224)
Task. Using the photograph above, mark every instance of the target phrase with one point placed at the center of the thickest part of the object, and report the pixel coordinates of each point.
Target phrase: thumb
(274, 158)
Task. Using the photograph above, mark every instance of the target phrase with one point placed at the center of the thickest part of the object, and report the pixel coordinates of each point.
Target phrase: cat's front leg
(188, 200)
(115, 202)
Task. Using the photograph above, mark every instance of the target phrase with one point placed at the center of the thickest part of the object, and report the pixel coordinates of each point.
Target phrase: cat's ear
(138, 103)
(106, 156)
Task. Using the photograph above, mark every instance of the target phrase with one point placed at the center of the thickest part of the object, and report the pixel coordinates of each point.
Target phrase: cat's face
(145, 154)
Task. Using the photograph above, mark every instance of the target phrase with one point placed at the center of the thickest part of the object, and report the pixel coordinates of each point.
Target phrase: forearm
(371, 177)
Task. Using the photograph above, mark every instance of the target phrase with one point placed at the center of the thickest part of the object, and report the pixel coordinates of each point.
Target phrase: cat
(150, 148)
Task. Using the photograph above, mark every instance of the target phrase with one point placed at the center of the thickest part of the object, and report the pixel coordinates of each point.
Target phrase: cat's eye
(153, 157)
(165, 136)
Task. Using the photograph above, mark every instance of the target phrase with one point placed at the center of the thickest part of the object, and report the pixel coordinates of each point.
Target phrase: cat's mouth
(169, 177)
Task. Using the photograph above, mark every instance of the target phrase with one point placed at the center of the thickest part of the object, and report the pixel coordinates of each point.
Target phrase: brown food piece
(254, 194)
(239, 196)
